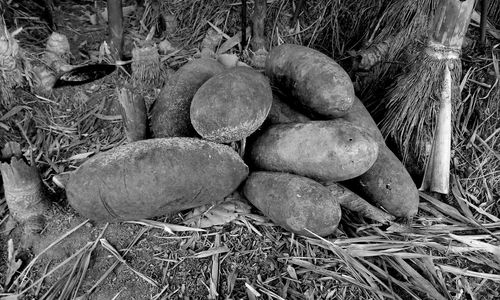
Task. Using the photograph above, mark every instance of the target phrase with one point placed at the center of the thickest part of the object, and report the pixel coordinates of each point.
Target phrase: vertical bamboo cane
(243, 24)
(115, 24)
(258, 36)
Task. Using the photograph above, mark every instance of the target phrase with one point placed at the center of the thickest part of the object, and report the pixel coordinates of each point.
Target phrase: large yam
(332, 150)
(351, 201)
(170, 112)
(294, 202)
(231, 105)
(317, 83)
(282, 113)
(359, 115)
(387, 183)
(154, 177)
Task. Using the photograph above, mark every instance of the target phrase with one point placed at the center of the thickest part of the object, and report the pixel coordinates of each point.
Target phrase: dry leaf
(13, 264)
(170, 228)
(223, 213)
(10, 297)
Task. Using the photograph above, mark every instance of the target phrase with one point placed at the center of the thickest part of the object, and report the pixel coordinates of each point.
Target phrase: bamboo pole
(484, 20)
(451, 21)
(258, 20)
(115, 24)
(258, 42)
(243, 24)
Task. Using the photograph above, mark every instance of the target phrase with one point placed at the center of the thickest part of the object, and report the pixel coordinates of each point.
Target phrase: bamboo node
(441, 52)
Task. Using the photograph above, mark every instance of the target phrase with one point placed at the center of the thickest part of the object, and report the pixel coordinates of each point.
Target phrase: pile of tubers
(311, 147)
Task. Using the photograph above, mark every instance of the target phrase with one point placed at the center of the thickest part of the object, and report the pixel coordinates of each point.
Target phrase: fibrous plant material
(494, 11)
(402, 22)
(209, 43)
(12, 65)
(134, 114)
(24, 194)
(395, 34)
(146, 65)
(56, 60)
(57, 53)
(410, 106)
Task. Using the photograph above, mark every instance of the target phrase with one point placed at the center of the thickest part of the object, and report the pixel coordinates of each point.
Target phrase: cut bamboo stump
(134, 115)
(24, 194)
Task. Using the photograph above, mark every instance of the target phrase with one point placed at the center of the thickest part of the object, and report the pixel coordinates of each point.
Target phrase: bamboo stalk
(243, 24)
(258, 20)
(484, 20)
(115, 24)
(258, 36)
(410, 106)
(437, 172)
(451, 21)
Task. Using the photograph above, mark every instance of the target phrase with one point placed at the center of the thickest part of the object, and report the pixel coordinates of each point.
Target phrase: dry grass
(450, 251)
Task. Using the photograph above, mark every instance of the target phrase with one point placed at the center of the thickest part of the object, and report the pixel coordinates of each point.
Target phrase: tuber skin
(333, 150)
(154, 177)
(296, 203)
(170, 113)
(349, 200)
(316, 83)
(387, 183)
(395, 191)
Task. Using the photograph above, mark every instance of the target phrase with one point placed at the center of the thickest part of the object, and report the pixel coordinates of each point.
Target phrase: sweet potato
(332, 150)
(170, 112)
(231, 105)
(315, 81)
(294, 202)
(154, 177)
(352, 202)
(387, 183)
(359, 115)
(282, 113)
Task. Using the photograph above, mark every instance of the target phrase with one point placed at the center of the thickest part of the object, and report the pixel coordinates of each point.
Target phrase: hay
(494, 12)
(450, 251)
